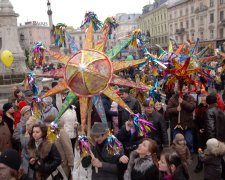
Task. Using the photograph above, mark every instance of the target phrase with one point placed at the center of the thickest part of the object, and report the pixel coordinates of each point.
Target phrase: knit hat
(24, 110)
(11, 158)
(22, 104)
(211, 99)
(98, 129)
(212, 143)
(47, 100)
(28, 93)
(7, 106)
(54, 83)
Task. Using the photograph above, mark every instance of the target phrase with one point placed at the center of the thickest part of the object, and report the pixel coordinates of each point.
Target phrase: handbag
(58, 174)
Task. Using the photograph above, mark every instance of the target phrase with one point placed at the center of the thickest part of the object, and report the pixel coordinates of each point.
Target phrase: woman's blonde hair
(32, 121)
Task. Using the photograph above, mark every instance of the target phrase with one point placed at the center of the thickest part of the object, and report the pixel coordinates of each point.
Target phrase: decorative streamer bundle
(36, 107)
(59, 34)
(142, 126)
(84, 146)
(113, 146)
(136, 39)
(91, 17)
(29, 83)
(72, 43)
(38, 50)
(155, 95)
(110, 23)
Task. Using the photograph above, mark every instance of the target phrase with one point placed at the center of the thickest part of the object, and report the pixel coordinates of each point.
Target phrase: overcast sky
(72, 12)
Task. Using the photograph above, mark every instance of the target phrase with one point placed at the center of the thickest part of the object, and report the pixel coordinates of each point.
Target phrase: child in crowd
(114, 107)
(171, 166)
(79, 172)
(211, 159)
(179, 144)
(159, 108)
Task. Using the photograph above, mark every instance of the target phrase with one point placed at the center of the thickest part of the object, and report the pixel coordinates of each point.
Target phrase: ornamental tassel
(59, 34)
(110, 23)
(36, 107)
(91, 17)
(113, 146)
(137, 41)
(38, 50)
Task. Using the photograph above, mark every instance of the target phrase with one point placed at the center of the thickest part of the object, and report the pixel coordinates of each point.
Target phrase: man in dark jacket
(103, 160)
(123, 115)
(185, 106)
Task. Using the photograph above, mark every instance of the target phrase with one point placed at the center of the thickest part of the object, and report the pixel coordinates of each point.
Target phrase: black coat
(215, 121)
(107, 105)
(141, 168)
(123, 115)
(9, 122)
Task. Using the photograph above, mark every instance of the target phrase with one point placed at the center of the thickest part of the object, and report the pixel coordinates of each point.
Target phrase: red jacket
(220, 102)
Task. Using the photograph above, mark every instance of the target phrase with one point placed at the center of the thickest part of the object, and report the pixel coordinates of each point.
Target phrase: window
(80, 38)
(211, 3)
(221, 1)
(221, 33)
(201, 35)
(221, 15)
(30, 32)
(162, 27)
(192, 22)
(181, 12)
(211, 34)
(165, 27)
(186, 11)
(175, 14)
(192, 9)
(201, 20)
(201, 5)
(211, 18)
(192, 36)
(181, 24)
(165, 39)
(171, 16)
(171, 28)
(187, 24)
(187, 35)
(176, 27)
(176, 37)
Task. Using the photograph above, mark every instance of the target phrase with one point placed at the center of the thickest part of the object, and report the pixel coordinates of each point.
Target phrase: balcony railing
(203, 8)
(180, 31)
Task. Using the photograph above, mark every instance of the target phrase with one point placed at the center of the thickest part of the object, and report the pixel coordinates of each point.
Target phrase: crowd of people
(183, 126)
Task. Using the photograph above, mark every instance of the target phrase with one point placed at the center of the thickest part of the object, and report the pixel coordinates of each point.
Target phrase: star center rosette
(142, 126)
(88, 73)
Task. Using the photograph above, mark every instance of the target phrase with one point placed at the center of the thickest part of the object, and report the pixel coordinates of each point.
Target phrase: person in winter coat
(180, 146)
(219, 100)
(5, 135)
(28, 97)
(211, 159)
(24, 139)
(103, 160)
(19, 97)
(200, 117)
(44, 156)
(16, 114)
(79, 172)
(143, 162)
(63, 145)
(9, 166)
(123, 115)
(21, 126)
(215, 120)
(8, 115)
(185, 106)
(48, 109)
(171, 167)
(114, 108)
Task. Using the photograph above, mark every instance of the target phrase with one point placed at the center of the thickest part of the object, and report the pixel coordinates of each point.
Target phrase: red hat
(1, 113)
(22, 104)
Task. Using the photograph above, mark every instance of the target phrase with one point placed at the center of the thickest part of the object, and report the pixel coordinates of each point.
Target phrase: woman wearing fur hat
(44, 156)
(179, 144)
(49, 109)
(5, 135)
(211, 159)
(8, 118)
(143, 162)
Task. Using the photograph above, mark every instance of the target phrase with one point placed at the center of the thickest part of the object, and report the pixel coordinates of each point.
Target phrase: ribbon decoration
(72, 43)
(51, 136)
(154, 95)
(113, 146)
(91, 17)
(142, 126)
(59, 34)
(29, 83)
(36, 107)
(84, 146)
(136, 40)
(110, 23)
(38, 50)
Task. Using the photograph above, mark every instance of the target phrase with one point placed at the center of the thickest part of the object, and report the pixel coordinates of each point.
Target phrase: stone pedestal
(9, 40)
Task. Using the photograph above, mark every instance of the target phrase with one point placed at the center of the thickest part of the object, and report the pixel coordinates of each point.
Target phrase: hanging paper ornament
(36, 107)
(113, 146)
(38, 50)
(84, 146)
(51, 136)
(110, 23)
(29, 83)
(142, 127)
(59, 33)
(154, 95)
(7, 58)
(91, 17)
(136, 39)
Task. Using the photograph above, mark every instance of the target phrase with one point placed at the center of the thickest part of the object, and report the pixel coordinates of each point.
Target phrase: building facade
(154, 23)
(33, 32)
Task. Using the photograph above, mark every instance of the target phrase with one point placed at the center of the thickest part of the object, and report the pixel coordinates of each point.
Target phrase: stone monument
(9, 40)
